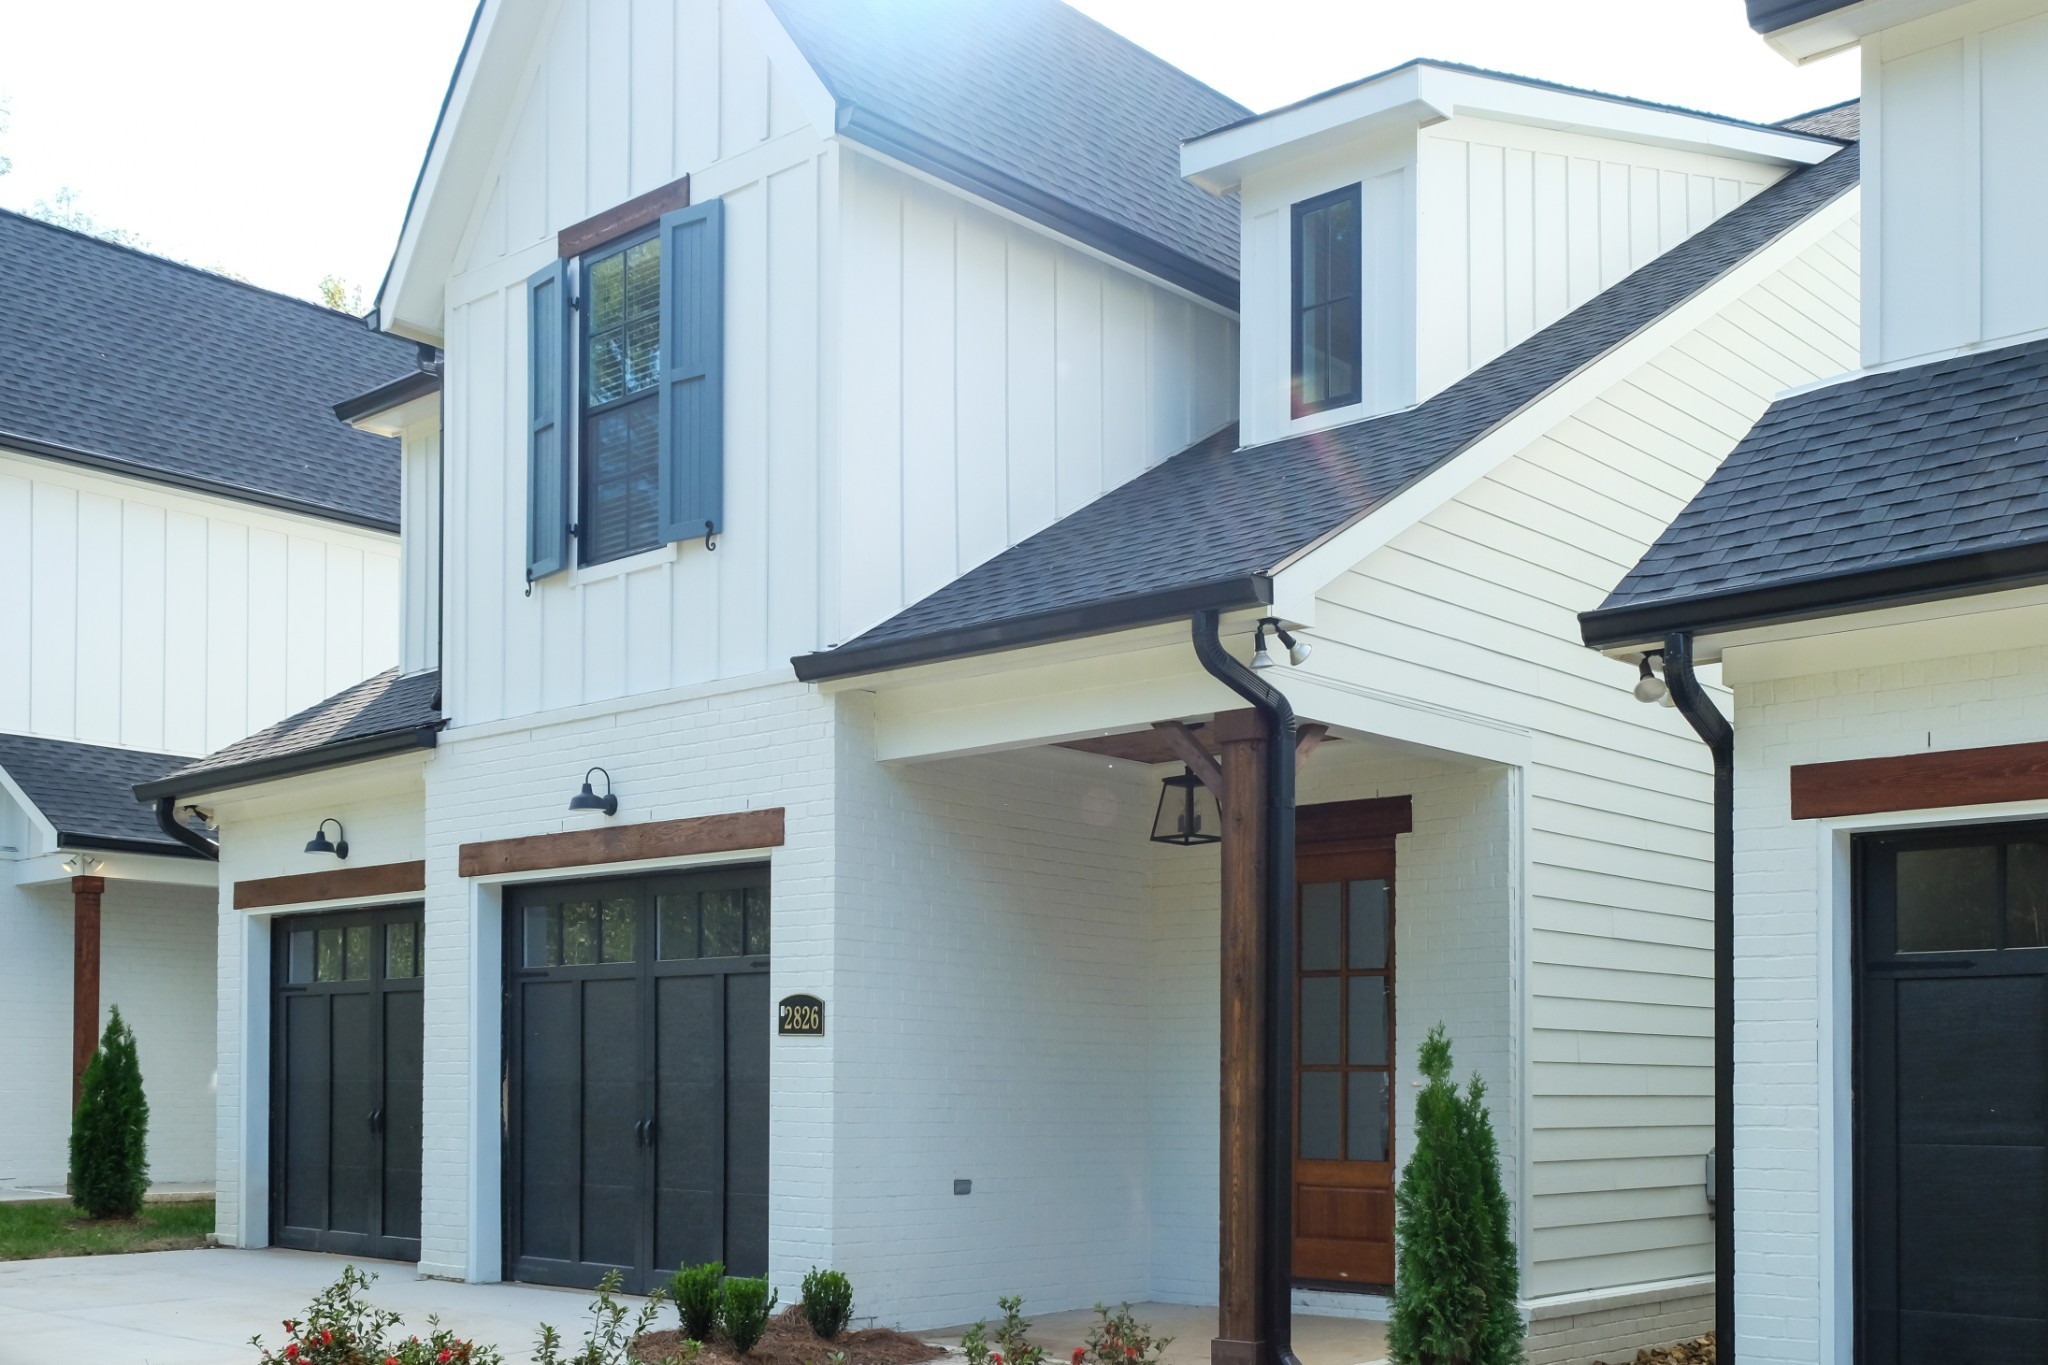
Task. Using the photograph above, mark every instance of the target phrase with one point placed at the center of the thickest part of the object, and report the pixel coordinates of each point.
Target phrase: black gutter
(167, 820)
(1276, 1171)
(114, 843)
(385, 397)
(1039, 628)
(1106, 235)
(290, 765)
(29, 445)
(1713, 727)
(1894, 585)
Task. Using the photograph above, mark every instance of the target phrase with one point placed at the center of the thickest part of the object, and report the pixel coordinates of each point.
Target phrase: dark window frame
(586, 411)
(1354, 195)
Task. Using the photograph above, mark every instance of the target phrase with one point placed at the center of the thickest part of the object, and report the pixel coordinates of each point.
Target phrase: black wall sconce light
(590, 800)
(318, 843)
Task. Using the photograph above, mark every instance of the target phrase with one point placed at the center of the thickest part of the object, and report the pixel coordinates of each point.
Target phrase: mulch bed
(1698, 1352)
(789, 1340)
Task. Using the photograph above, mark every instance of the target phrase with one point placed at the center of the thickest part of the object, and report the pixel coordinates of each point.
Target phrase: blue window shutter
(693, 371)
(551, 404)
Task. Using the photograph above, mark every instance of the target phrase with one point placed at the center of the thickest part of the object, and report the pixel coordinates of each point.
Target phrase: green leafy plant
(743, 1306)
(694, 1291)
(1012, 1344)
(828, 1302)
(1455, 1278)
(1118, 1338)
(341, 1327)
(608, 1340)
(110, 1129)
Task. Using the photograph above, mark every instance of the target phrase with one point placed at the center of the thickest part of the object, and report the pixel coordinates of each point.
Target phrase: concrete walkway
(201, 1307)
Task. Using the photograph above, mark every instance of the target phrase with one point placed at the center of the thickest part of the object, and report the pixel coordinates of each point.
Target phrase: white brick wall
(1613, 1327)
(1951, 702)
(156, 963)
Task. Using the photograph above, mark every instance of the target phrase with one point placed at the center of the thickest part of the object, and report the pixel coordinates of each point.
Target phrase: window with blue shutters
(626, 446)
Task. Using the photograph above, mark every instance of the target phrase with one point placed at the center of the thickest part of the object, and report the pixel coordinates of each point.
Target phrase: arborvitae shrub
(1455, 1277)
(110, 1130)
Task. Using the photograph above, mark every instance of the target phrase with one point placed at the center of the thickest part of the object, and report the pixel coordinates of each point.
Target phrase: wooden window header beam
(1924, 781)
(733, 833)
(642, 210)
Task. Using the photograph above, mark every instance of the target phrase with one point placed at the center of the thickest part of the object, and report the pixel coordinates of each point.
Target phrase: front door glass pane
(1368, 925)
(1322, 1115)
(1948, 899)
(1368, 1034)
(1366, 1137)
(2026, 895)
(677, 915)
(725, 918)
(1322, 927)
(1322, 1028)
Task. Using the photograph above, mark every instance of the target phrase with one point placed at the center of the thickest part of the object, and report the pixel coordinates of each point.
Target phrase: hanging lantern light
(1187, 813)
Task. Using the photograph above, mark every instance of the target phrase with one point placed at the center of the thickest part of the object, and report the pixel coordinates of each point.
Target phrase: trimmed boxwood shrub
(110, 1130)
(828, 1302)
(743, 1306)
(695, 1291)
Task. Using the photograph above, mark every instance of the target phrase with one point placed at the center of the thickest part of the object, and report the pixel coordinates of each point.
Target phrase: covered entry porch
(1083, 986)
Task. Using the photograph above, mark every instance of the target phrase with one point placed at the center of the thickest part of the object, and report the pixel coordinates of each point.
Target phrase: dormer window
(1326, 302)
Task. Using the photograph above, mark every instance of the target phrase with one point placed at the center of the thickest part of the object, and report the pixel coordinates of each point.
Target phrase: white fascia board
(168, 870)
(1219, 161)
(1297, 579)
(1424, 92)
(493, 70)
(1826, 34)
(394, 421)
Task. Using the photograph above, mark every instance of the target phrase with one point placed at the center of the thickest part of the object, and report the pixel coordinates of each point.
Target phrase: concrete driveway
(201, 1307)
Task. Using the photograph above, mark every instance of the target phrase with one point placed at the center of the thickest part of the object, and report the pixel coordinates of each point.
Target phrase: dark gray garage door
(637, 1128)
(345, 1082)
(1952, 1097)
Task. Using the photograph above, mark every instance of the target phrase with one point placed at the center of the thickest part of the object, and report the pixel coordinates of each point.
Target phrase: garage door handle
(649, 1138)
(640, 1132)
(376, 1120)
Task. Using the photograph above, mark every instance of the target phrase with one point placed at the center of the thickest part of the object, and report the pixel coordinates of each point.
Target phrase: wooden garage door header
(332, 884)
(1927, 781)
(731, 833)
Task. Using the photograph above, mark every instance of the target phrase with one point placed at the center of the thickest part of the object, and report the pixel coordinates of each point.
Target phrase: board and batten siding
(1955, 123)
(912, 382)
(156, 619)
(1475, 608)
(419, 608)
(993, 380)
(1477, 234)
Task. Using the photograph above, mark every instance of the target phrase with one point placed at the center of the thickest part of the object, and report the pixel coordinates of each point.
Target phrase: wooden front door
(1344, 1054)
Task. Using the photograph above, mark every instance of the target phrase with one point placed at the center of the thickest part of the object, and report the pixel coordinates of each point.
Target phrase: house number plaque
(802, 1015)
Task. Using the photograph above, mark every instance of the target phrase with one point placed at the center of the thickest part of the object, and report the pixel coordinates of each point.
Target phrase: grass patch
(29, 1231)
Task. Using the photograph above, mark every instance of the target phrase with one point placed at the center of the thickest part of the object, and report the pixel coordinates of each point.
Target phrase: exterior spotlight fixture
(590, 800)
(1649, 686)
(1297, 650)
(318, 843)
(1187, 813)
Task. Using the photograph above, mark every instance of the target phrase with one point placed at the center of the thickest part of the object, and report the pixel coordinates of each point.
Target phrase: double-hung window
(625, 443)
(1327, 297)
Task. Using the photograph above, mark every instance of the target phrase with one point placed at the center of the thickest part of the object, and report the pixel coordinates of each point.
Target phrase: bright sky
(279, 138)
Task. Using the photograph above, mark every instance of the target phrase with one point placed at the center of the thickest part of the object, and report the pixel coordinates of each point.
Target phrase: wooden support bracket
(1190, 751)
(1306, 738)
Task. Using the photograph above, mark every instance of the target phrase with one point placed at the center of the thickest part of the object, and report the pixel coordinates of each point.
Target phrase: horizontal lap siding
(1476, 608)
(152, 619)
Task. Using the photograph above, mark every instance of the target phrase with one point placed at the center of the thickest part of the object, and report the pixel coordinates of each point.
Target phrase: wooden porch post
(85, 976)
(1241, 1334)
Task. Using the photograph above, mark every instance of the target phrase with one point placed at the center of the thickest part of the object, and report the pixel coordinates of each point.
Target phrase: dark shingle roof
(385, 714)
(138, 364)
(1038, 107)
(1768, 16)
(1874, 475)
(1843, 121)
(1207, 527)
(88, 791)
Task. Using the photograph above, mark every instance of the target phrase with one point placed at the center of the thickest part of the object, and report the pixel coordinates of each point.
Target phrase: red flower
(1130, 1352)
(445, 1357)
(327, 1337)
(291, 1350)
(390, 1360)
(1080, 1354)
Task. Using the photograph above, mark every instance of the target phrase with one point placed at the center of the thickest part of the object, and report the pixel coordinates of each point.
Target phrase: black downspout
(1276, 1173)
(1713, 727)
(167, 820)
